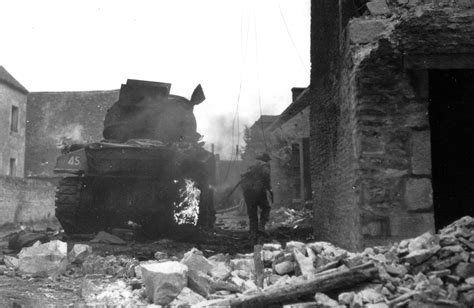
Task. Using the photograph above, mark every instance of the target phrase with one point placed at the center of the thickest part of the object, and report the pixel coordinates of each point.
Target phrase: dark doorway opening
(451, 114)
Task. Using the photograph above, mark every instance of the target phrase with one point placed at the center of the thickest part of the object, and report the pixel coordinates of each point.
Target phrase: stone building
(257, 139)
(290, 164)
(391, 118)
(55, 118)
(12, 125)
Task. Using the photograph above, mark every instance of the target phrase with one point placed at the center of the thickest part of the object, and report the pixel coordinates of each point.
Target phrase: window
(12, 167)
(14, 119)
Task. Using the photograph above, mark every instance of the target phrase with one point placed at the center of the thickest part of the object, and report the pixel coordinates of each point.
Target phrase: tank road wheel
(70, 207)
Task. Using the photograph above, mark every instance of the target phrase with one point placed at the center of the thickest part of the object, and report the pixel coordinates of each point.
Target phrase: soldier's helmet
(263, 157)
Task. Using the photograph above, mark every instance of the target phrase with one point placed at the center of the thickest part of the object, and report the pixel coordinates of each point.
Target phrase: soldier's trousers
(254, 201)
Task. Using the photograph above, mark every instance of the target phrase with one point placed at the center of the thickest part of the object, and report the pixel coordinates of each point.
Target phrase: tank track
(69, 208)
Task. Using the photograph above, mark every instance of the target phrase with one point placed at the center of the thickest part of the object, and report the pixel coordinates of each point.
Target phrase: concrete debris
(323, 301)
(195, 261)
(11, 262)
(107, 238)
(79, 252)
(429, 270)
(186, 298)
(200, 283)
(164, 281)
(117, 266)
(161, 256)
(43, 260)
(378, 7)
(110, 294)
(242, 264)
(221, 271)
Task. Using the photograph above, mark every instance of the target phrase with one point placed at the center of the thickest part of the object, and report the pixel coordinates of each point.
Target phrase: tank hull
(121, 186)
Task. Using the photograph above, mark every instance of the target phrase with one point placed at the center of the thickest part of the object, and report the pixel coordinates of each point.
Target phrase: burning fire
(187, 211)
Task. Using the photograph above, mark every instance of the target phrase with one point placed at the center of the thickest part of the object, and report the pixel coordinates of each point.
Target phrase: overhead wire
(236, 118)
(291, 39)
(258, 80)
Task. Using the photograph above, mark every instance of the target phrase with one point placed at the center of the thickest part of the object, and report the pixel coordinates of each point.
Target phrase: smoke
(225, 134)
(72, 133)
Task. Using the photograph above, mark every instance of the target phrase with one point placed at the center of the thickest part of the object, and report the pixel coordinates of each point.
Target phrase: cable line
(291, 39)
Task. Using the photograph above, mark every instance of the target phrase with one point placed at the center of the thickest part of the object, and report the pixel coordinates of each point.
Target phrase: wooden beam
(321, 283)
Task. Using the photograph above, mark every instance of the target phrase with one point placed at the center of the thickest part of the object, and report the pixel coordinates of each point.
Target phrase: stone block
(195, 261)
(371, 143)
(187, 298)
(375, 226)
(199, 283)
(243, 264)
(284, 267)
(322, 300)
(79, 252)
(221, 271)
(366, 31)
(418, 194)
(378, 7)
(411, 225)
(44, 260)
(464, 270)
(164, 281)
(421, 153)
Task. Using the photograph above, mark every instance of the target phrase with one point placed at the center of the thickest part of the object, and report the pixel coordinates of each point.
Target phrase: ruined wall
(12, 144)
(283, 180)
(333, 166)
(54, 117)
(370, 130)
(25, 200)
(391, 101)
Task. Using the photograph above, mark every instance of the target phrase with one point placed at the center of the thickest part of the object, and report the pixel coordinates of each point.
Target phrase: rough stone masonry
(370, 145)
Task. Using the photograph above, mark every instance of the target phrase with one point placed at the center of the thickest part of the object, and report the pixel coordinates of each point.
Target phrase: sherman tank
(150, 172)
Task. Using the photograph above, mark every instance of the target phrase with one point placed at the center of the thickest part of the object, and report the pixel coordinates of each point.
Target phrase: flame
(187, 211)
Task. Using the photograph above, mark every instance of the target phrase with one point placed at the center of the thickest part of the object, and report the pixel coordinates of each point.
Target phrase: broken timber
(336, 279)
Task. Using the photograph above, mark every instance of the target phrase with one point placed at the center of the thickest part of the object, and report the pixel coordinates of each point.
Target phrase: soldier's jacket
(257, 178)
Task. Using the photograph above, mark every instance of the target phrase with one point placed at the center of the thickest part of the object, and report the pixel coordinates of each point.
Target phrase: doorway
(451, 115)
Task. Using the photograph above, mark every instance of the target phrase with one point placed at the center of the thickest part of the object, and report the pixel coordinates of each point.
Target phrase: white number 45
(74, 160)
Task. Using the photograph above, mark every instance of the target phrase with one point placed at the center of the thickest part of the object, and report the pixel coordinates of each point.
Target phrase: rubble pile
(429, 270)
(295, 218)
(281, 217)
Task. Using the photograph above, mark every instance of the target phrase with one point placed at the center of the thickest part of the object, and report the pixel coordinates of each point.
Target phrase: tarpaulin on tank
(130, 161)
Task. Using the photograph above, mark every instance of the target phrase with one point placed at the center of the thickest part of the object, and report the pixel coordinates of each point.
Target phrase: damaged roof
(300, 103)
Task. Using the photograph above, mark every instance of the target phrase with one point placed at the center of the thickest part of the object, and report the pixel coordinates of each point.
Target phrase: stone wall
(370, 132)
(283, 179)
(12, 144)
(54, 117)
(25, 200)
(333, 169)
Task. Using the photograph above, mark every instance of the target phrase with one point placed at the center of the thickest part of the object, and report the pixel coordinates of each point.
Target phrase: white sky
(61, 45)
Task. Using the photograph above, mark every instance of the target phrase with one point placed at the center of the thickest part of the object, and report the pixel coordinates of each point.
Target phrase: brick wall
(25, 200)
(76, 117)
(333, 170)
(12, 144)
